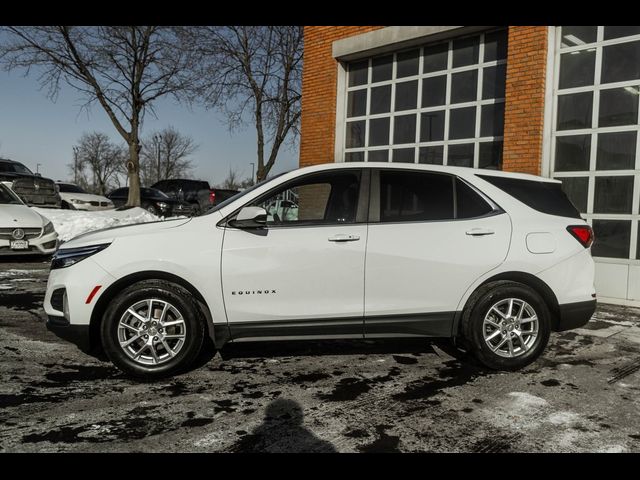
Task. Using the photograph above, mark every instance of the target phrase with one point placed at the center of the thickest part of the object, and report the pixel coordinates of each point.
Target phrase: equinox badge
(252, 292)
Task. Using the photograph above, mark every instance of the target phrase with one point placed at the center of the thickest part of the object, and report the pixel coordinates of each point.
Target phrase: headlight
(65, 257)
(48, 228)
(162, 205)
(77, 201)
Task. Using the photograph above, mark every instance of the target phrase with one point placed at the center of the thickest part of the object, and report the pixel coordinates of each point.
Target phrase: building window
(438, 104)
(595, 131)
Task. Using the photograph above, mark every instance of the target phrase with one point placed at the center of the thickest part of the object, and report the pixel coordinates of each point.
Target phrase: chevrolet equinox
(496, 260)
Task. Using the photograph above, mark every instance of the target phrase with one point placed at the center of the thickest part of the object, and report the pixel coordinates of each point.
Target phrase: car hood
(85, 197)
(108, 235)
(19, 216)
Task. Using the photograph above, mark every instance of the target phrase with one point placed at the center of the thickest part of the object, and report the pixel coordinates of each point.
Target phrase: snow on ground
(71, 223)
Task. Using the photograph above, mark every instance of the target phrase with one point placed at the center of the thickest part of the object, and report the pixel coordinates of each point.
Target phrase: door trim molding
(429, 324)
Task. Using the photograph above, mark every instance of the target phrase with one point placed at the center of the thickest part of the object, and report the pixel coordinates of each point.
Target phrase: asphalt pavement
(582, 395)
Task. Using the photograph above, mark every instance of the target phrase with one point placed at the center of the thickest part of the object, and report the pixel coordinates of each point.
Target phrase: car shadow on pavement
(31, 259)
(295, 348)
(282, 430)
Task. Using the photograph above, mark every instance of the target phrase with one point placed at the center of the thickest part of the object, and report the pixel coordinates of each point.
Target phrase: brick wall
(319, 86)
(524, 107)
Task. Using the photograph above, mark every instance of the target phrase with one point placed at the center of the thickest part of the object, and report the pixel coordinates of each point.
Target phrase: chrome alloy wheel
(510, 328)
(151, 331)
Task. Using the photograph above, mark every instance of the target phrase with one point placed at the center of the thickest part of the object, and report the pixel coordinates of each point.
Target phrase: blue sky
(33, 130)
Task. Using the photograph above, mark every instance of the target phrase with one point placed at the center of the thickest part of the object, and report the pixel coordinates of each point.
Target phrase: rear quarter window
(469, 204)
(545, 197)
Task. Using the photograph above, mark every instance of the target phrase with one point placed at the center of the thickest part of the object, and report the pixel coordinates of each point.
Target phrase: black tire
(479, 306)
(166, 291)
(195, 210)
(150, 208)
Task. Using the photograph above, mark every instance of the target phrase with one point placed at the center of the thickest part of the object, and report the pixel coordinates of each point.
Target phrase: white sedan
(22, 230)
(75, 198)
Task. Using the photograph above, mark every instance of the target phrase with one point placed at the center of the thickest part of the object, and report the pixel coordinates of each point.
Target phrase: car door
(431, 235)
(303, 274)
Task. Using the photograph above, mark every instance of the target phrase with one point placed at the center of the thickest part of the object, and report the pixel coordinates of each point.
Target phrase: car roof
(462, 171)
(8, 160)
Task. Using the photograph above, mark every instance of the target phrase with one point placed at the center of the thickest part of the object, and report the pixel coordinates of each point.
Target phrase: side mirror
(250, 217)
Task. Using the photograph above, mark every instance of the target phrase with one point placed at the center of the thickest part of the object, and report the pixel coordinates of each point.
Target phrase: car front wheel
(152, 329)
(151, 209)
(507, 325)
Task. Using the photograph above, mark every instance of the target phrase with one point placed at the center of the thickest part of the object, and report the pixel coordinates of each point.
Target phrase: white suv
(497, 260)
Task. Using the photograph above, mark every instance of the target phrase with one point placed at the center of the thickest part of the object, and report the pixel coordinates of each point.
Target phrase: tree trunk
(261, 174)
(133, 171)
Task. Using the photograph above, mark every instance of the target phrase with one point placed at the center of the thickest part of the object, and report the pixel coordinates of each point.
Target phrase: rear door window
(545, 197)
(415, 196)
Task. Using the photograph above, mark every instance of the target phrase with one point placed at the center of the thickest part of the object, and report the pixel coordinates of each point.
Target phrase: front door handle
(342, 237)
(477, 232)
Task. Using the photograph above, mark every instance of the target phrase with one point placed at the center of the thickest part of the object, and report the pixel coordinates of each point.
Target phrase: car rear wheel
(506, 325)
(152, 329)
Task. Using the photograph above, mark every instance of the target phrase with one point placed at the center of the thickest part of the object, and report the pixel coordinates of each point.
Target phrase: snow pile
(71, 223)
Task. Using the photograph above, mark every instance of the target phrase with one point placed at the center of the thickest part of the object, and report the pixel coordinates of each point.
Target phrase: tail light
(212, 197)
(582, 233)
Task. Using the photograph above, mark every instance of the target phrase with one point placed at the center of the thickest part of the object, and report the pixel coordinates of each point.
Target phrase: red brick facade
(524, 102)
(319, 85)
(524, 108)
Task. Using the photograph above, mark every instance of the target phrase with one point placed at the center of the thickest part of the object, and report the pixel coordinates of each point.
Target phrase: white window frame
(343, 91)
(592, 173)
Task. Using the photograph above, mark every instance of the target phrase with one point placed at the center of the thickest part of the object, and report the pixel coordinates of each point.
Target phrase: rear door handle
(477, 232)
(341, 237)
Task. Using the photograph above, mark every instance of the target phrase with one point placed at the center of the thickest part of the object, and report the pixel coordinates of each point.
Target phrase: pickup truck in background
(32, 188)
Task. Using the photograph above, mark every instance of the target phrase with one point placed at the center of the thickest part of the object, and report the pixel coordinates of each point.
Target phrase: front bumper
(575, 315)
(65, 302)
(44, 245)
(79, 335)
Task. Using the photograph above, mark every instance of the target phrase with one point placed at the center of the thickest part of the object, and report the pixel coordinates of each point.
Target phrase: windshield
(70, 188)
(8, 197)
(14, 168)
(242, 194)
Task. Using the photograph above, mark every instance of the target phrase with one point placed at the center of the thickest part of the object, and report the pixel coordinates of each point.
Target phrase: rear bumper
(575, 315)
(77, 334)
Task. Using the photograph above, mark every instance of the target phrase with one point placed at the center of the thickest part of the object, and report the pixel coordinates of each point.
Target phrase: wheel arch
(218, 335)
(521, 277)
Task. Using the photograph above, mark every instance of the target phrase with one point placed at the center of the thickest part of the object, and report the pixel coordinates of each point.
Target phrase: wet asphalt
(582, 395)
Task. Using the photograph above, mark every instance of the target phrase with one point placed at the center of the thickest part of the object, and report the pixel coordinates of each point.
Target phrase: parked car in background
(197, 193)
(22, 230)
(32, 188)
(194, 192)
(497, 260)
(152, 200)
(222, 195)
(75, 198)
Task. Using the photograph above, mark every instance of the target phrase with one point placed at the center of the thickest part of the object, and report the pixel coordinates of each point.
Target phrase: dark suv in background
(151, 199)
(33, 189)
(197, 193)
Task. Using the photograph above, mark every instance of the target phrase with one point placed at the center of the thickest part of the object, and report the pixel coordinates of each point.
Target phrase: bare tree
(99, 162)
(165, 155)
(124, 69)
(233, 182)
(252, 74)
